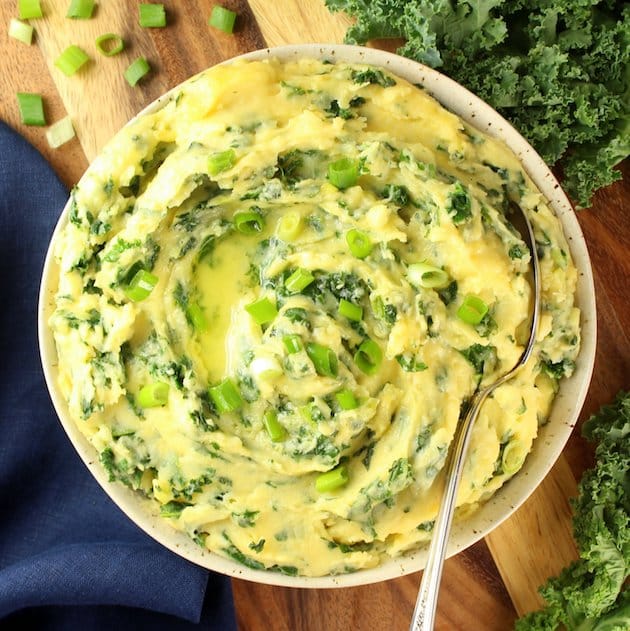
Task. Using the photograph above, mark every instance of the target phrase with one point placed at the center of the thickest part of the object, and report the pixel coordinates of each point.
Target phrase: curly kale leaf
(590, 594)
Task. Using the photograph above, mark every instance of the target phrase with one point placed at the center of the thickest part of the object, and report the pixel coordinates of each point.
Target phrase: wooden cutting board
(492, 582)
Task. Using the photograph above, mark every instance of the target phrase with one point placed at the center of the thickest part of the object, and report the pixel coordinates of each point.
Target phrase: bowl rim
(552, 436)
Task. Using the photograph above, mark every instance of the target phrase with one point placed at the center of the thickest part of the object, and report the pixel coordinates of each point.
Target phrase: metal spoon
(426, 604)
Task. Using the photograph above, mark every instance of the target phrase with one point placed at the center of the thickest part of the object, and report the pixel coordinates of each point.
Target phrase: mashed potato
(277, 295)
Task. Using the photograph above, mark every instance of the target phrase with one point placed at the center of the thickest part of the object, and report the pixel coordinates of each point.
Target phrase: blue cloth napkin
(69, 558)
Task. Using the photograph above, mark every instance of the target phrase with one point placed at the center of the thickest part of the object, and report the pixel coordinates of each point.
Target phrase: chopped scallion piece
(427, 276)
(60, 133)
(332, 480)
(136, 70)
(263, 311)
(299, 280)
(323, 358)
(472, 310)
(346, 399)
(29, 9)
(350, 310)
(290, 225)
(109, 44)
(81, 9)
(266, 369)
(152, 15)
(359, 243)
(292, 343)
(71, 60)
(223, 19)
(249, 222)
(221, 161)
(21, 31)
(153, 395)
(195, 316)
(343, 173)
(31, 109)
(141, 285)
(368, 357)
(276, 431)
(226, 396)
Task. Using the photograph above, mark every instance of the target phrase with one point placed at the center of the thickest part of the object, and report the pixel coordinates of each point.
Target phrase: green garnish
(249, 222)
(152, 15)
(221, 161)
(71, 60)
(153, 395)
(472, 310)
(109, 44)
(226, 396)
(332, 480)
(262, 311)
(350, 310)
(141, 285)
(359, 243)
(368, 357)
(137, 70)
(222, 19)
(299, 280)
(323, 358)
(80, 9)
(31, 109)
(343, 173)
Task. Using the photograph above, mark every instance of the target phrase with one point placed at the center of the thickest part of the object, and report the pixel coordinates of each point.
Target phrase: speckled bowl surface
(552, 436)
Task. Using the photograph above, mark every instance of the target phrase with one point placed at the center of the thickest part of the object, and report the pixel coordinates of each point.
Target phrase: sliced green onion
(226, 396)
(323, 358)
(290, 225)
(276, 431)
(109, 44)
(427, 276)
(81, 9)
(332, 480)
(359, 243)
(266, 368)
(21, 31)
(152, 16)
(346, 399)
(343, 173)
(31, 108)
(223, 19)
(292, 343)
(368, 357)
(262, 310)
(153, 395)
(221, 161)
(196, 317)
(299, 280)
(60, 133)
(350, 310)
(71, 60)
(141, 285)
(249, 222)
(29, 9)
(136, 70)
(472, 310)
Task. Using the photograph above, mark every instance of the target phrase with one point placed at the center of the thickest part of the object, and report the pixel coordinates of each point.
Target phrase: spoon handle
(423, 617)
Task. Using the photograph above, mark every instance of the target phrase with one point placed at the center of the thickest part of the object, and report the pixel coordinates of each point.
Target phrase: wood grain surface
(492, 582)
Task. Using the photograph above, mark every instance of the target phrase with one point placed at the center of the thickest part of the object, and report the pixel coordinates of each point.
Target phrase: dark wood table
(488, 585)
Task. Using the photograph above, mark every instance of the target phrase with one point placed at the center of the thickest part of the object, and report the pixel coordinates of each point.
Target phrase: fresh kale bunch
(590, 594)
(559, 70)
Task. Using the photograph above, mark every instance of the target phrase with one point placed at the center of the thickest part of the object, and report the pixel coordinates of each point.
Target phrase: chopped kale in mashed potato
(277, 294)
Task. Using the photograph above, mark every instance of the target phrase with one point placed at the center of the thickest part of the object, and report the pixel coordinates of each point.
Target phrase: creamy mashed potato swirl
(263, 317)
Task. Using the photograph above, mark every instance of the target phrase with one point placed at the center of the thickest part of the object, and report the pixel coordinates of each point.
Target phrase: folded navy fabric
(69, 558)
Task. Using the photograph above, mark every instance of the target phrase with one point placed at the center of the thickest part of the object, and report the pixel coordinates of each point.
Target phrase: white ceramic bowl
(552, 436)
